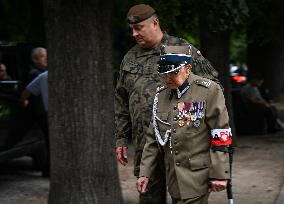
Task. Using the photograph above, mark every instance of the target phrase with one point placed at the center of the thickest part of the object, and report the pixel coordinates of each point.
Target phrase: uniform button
(176, 152)
(175, 119)
(175, 142)
(175, 107)
(226, 172)
(174, 130)
(178, 164)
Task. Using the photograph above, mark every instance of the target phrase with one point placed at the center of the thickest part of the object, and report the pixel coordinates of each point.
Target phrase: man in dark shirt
(39, 60)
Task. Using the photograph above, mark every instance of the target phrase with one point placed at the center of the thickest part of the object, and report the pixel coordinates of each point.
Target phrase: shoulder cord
(155, 125)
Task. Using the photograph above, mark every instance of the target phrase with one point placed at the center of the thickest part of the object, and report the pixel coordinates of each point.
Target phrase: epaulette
(160, 88)
(202, 82)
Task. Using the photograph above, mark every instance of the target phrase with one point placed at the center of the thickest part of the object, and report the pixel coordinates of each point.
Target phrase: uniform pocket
(199, 163)
(133, 67)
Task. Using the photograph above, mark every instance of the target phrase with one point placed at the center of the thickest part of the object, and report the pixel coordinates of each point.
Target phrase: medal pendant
(193, 117)
(196, 123)
(181, 123)
(200, 115)
(188, 123)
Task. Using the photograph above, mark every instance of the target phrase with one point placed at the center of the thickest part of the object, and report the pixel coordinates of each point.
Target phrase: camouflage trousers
(157, 187)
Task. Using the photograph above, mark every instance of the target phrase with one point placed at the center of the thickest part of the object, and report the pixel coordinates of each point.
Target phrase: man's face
(174, 80)
(2, 72)
(144, 32)
(41, 60)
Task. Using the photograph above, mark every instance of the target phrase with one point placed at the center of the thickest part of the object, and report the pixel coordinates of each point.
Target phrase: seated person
(255, 103)
(3, 73)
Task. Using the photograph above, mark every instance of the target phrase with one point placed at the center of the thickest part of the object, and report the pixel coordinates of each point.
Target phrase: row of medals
(192, 115)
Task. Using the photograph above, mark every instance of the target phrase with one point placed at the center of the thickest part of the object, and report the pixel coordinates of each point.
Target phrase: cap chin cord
(177, 68)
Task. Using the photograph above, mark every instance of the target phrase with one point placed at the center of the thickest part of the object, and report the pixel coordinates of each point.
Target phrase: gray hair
(36, 51)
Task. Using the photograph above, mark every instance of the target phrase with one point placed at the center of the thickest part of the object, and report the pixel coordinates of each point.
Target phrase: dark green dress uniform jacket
(190, 163)
(135, 90)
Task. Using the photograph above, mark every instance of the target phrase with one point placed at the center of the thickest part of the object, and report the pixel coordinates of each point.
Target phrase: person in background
(255, 103)
(39, 62)
(3, 73)
(39, 87)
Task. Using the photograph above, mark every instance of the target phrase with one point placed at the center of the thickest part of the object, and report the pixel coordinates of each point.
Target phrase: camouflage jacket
(136, 87)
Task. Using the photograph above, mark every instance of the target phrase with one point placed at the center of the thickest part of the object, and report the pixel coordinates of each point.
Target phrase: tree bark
(81, 110)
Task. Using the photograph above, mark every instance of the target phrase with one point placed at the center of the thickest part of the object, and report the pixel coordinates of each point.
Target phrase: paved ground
(258, 172)
(258, 176)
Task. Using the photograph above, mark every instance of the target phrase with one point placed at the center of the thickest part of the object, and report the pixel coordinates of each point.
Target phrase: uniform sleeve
(202, 67)
(122, 115)
(150, 154)
(217, 120)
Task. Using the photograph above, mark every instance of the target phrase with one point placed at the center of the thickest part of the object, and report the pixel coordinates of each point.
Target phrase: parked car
(19, 134)
(238, 75)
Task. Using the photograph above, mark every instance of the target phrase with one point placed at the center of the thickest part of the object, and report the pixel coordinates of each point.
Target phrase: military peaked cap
(173, 58)
(139, 13)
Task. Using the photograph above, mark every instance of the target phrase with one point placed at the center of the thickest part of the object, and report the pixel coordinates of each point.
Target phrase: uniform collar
(178, 93)
(182, 89)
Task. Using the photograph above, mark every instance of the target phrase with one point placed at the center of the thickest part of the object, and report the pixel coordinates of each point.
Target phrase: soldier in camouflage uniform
(136, 87)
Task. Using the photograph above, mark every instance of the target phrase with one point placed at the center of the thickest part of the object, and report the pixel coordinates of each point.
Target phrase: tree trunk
(81, 110)
(3, 24)
(215, 47)
(268, 59)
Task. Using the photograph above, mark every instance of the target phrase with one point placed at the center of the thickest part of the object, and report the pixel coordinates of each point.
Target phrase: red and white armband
(221, 137)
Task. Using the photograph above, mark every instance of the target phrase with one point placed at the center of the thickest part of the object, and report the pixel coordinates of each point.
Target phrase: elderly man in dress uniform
(190, 126)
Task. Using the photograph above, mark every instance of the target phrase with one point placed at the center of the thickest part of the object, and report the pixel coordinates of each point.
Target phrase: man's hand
(218, 185)
(141, 184)
(24, 103)
(121, 155)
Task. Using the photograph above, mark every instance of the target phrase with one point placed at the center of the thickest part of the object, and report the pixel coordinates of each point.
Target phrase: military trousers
(197, 200)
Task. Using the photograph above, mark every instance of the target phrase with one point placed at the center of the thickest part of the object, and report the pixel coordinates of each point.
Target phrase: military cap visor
(139, 13)
(173, 62)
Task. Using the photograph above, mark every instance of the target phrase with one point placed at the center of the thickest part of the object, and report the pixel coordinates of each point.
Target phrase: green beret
(139, 13)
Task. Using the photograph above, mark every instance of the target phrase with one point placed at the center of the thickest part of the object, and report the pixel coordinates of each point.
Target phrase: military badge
(181, 123)
(196, 123)
(184, 113)
(197, 113)
(190, 112)
(193, 117)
